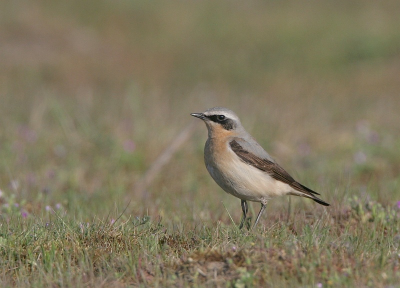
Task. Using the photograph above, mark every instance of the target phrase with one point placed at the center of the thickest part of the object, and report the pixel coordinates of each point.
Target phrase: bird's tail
(311, 196)
(319, 201)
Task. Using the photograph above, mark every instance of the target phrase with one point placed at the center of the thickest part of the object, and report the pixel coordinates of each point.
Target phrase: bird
(241, 167)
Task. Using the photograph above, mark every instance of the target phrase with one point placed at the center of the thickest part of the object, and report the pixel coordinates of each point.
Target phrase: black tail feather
(310, 196)
(308, 189)
(319, 201)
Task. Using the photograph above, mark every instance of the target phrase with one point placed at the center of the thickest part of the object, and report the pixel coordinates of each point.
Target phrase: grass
(358, 246)
(93, 91)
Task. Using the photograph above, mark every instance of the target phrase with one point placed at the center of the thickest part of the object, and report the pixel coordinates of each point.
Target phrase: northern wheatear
(242, 167)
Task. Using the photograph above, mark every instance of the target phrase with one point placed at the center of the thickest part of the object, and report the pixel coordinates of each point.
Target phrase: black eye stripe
(227, 123)
(215, 118)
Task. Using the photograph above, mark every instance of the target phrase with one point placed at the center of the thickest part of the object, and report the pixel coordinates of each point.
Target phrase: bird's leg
(244, 209)
(259, 214)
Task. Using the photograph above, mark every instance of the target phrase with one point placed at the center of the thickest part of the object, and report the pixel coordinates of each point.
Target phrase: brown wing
(273, 169)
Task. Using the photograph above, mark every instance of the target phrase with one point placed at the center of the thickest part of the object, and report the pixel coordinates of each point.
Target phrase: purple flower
(304, 149)
(24, 214)
(319, 285)
(31, 179)
(48, 208)
(129, 146)
(112, 221)
(16, 205)
(58, 206)
(398, 204)
(28, 134)
(373, 138)
(50, 173)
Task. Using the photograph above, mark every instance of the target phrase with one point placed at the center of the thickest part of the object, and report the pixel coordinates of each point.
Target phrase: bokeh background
(92, 92)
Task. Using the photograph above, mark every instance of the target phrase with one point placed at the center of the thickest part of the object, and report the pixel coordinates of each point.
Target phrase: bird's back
(248, 143)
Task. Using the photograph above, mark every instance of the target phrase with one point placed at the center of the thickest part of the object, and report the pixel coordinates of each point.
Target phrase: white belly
(245, 181)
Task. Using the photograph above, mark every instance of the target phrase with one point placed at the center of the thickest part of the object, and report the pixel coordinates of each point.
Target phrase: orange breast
(217, 151)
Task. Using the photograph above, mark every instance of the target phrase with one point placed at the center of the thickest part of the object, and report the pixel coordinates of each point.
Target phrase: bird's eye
(221, 117)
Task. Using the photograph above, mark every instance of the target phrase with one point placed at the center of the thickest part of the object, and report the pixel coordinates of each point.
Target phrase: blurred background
(92, 92)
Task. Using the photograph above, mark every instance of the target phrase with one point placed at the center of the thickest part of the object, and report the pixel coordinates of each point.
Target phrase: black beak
(199, 115)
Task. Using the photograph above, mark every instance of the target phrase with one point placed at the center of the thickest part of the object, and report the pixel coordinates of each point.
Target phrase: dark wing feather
(273, 169)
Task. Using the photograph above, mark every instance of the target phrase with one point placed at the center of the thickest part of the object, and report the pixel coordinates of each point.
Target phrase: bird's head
(219, 120)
